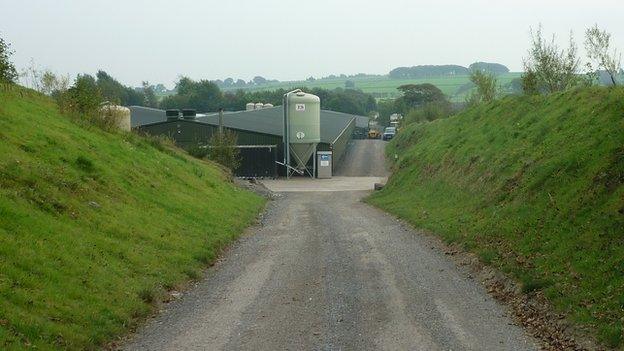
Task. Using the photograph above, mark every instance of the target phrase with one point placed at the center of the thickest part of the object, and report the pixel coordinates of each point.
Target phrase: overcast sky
(286, 40)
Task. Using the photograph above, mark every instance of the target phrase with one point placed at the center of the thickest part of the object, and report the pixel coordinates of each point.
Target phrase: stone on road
(326, 271)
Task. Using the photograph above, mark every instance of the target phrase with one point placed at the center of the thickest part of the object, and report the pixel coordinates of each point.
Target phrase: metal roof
(140, 115)
(267, 120)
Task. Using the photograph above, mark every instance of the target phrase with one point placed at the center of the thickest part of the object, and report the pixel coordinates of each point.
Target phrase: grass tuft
(85, 164)
(148, 295)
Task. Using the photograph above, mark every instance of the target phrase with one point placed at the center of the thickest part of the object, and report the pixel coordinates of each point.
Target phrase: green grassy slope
(535, 186)
(94, 226)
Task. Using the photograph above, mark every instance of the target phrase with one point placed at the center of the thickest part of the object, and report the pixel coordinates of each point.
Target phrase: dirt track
(327, 272)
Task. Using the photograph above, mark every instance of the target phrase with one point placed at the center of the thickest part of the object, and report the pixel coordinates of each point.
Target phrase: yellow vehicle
(373, 134)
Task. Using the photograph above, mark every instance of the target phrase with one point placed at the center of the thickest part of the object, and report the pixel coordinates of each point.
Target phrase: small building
(259, 132)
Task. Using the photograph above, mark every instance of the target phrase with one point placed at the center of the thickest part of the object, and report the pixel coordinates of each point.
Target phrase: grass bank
(535, 186)
(95, 226)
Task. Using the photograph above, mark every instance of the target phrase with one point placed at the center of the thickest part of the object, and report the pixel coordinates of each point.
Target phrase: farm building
(259, 133)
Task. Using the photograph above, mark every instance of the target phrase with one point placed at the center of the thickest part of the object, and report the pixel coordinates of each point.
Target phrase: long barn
(259, 133)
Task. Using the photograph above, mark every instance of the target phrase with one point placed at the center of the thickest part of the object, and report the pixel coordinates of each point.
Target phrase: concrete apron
(303, 184)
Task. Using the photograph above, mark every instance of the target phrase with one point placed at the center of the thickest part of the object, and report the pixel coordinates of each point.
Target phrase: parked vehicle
(388, 133)
(373, 134)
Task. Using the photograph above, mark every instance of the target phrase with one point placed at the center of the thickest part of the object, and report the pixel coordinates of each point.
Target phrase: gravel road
(364, 158)
(325, 271)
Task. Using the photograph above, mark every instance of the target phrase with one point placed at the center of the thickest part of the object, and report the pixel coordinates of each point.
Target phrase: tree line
(206, 96)
(258, 81)
(427, 71)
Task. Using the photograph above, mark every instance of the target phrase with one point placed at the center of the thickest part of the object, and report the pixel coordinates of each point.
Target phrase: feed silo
(302, 130)
(120, 115)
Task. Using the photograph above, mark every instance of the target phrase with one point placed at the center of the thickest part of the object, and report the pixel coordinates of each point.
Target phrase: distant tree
(385, 108)
(184, 86)
(8, 73)
(110, 89)
(84, 97)
(416, 95)
(160, 88)
(346, 100)
(493, 68)
(240, 83)
(425, 71)
(349, 84)
(150, 99)
(228, 82)
(115, 92)
(189, 95)
(429, 112)
(310, 79)
(203, 95)
(258, 80)
(486, 87)
(549, 69)
(598, 46)
(84, 103)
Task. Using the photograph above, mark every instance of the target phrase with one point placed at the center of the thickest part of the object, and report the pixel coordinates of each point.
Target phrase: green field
(535, 186)
(382, 86)
(95, 227)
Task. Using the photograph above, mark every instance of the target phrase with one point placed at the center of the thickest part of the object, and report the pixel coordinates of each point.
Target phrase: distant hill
(448, 78)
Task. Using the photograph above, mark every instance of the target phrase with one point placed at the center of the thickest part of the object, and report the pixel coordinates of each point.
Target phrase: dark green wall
(190, 133)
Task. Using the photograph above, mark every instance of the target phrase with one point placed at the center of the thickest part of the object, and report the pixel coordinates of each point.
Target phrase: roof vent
(189, 113)
(172, 114)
